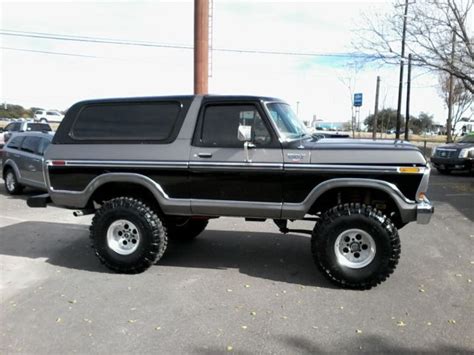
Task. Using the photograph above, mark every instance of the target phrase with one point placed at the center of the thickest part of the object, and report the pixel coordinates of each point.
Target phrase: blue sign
(358, 99)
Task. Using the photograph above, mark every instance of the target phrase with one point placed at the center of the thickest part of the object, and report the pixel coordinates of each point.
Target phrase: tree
(430, 26)
(386, 119)
(422, 123)
(462, 99)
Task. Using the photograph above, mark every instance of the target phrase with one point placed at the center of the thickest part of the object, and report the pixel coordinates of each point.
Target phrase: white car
(48, 116)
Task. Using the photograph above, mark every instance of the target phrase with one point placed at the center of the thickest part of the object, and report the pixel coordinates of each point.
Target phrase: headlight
(466, 152)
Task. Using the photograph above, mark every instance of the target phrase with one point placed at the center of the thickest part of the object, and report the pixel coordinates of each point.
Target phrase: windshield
(38, 127)
(467, 139)
(288, 124)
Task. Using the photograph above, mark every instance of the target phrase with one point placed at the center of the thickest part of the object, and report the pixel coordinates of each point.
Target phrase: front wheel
(356, 246)
(127, 235)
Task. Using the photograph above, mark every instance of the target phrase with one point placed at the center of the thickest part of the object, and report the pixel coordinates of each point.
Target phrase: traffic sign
(358, 99)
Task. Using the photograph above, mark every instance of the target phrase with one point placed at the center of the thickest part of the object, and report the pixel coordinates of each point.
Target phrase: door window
(30, 144)
(15, 142)
(220, 126)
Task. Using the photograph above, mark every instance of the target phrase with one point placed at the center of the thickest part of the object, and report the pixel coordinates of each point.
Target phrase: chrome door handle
(205, 155)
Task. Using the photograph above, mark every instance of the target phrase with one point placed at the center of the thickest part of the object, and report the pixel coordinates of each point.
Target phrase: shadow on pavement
(366, 344)
(271, 256)
(456, 189)
(264, 255)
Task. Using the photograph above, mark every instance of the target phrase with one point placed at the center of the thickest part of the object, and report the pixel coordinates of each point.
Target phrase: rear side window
(30, 144)
(127, 121)
(15, 142)
(38, 127)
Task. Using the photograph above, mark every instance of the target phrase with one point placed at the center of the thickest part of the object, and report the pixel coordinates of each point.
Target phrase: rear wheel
(12, 185)
(184, 228)
(356, 246)
(127, 235)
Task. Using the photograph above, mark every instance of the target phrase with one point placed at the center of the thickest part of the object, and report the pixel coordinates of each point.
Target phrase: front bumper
(424, 211)
(452, 163)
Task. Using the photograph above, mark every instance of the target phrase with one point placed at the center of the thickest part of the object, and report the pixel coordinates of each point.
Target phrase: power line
(87, 39)
(49, 52)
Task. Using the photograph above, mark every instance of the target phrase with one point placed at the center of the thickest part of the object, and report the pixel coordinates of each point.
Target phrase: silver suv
(24, 126)
(22, 161)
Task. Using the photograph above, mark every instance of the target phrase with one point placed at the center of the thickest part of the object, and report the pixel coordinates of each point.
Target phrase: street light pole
(400, 83)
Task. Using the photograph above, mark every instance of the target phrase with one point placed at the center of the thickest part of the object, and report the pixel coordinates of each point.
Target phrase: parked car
(48, 116)
(454, 156)
(24, 126)
(22, 161)
(160, 167)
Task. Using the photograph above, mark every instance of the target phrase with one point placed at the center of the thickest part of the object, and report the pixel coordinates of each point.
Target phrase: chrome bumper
(424, 211)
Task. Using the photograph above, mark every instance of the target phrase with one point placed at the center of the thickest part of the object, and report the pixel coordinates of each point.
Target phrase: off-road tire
(366, 218)
(185, 230)
(14, 189)
(153, 239)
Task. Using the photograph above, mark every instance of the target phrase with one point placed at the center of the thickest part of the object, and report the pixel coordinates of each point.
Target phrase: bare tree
(348, 77)
(429, 33)
(462, 99)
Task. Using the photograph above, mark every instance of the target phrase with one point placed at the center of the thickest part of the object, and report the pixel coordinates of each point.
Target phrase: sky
(312, 85)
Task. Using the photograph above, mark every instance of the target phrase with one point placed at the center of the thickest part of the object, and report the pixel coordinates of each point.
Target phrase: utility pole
(400, 83)
(376, 110)
(407, 118)
(201, 46)
(449, 123)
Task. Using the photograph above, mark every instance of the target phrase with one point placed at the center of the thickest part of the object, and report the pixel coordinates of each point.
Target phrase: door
(30, 161)
(230, 176)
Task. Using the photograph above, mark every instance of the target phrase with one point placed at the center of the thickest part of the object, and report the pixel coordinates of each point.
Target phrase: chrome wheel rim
(10, 180)
(354, 248)
(123, 237)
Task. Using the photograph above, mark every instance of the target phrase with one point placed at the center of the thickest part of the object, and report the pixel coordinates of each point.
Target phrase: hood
(360, 152)
(365, 144)
(455, 145)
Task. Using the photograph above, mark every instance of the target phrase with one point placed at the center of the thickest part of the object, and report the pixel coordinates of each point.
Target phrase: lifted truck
(158, 168)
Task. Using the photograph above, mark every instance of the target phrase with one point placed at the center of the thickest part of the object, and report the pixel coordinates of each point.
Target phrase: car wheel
(355, 246)
(185, 229)
(12, 185)
(127, 235)
(43, 120)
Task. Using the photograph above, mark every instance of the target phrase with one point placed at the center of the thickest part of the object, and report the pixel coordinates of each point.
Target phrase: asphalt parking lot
(240, 287)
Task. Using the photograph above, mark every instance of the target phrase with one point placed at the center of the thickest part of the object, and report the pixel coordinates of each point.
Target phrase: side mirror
(1, 129)
(245, 133)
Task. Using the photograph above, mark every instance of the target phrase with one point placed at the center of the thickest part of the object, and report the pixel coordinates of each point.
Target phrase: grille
(445, 153)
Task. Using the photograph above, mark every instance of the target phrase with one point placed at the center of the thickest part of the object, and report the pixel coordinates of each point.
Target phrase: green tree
(386, 119)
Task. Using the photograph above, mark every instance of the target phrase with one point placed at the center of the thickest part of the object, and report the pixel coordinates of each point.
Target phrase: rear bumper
(38, 201)
(424, 211)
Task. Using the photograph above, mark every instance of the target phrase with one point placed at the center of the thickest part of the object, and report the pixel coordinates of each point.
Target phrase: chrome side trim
(123, 163)
(214, 164)
(347, 168)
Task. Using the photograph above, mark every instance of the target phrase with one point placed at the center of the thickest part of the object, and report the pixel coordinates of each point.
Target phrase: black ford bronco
(158, 168)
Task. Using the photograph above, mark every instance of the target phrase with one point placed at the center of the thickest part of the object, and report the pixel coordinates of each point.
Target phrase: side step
(38, 201)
